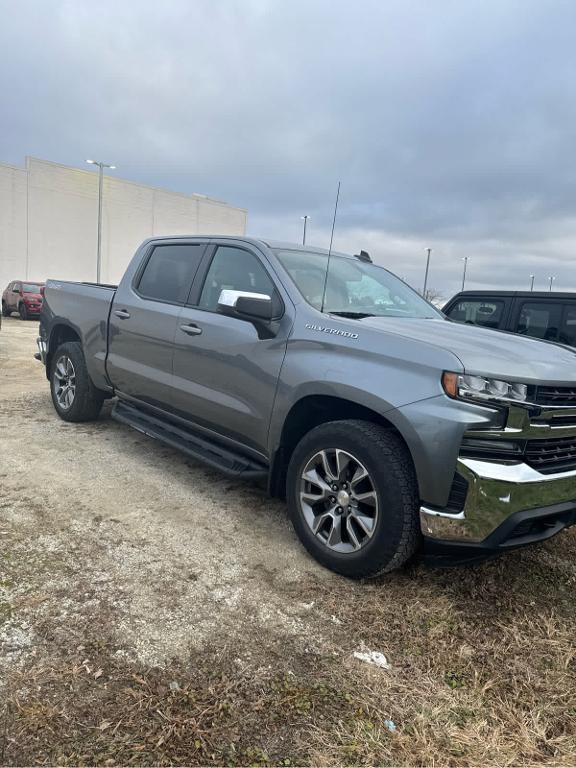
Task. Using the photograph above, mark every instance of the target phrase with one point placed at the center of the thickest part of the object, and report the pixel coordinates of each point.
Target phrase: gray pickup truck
(389, 429)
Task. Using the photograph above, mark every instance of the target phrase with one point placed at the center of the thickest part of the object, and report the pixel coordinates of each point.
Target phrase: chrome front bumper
(496, 492)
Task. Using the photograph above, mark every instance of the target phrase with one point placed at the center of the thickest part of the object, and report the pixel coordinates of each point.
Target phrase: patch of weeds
(6, 611)
(455, 680)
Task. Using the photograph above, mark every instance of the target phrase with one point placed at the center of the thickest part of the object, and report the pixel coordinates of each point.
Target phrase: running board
(211, 453)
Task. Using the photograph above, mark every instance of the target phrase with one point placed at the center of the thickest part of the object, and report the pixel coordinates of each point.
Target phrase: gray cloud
(451, 124)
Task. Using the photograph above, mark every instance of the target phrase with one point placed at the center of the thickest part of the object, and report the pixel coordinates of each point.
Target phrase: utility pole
(465, 260)
(532, 282)
(101, 167)
(429, 251)
(305, 218)
(551, 278)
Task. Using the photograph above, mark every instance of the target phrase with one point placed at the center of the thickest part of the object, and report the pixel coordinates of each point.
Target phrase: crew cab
(389, 429)
(23, 297)
(543, 315)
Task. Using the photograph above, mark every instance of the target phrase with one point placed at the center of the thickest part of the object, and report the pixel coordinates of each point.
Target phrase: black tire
(87, 400)
(5, 311)
(23, 312)
(396, 532)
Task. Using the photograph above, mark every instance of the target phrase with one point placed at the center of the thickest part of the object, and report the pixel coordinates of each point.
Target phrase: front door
(226, 370)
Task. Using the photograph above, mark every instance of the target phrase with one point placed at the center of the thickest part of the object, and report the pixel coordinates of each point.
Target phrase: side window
(169, 272)
(540, 320)
(478, 312)
(235, 269)
(568, 327)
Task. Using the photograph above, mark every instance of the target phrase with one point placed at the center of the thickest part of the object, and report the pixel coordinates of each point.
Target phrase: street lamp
(101, 167)
(429, 251)
(305, 219)
(551, 278)
(465, 260)
(532, 282)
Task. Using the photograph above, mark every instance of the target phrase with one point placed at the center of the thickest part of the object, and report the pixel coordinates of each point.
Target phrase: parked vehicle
(388, 428)
(550, 316)
(23, 297)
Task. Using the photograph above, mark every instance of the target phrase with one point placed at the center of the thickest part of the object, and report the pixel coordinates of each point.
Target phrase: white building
(49, 214)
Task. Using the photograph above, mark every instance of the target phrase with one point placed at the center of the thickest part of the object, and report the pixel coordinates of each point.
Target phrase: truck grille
(555, 455)
(552, 396)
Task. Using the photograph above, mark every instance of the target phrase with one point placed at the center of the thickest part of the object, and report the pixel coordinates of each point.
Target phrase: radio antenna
(330, 249)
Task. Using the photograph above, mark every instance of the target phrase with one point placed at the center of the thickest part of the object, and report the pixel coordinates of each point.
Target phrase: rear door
(143, 322)
(226, 371)
(478, 310)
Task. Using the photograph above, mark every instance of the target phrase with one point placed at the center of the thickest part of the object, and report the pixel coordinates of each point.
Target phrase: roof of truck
(254, 241)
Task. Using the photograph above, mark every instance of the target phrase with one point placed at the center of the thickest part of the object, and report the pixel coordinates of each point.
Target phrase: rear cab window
(169, 272)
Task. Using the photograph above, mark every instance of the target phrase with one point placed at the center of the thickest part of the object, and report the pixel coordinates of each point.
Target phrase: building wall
(48, 221)
(13, 207)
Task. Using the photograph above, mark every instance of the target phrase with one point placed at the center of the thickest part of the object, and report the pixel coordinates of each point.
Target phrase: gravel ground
(124, 561)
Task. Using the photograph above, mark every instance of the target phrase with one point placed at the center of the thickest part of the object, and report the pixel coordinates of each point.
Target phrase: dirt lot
(154, 612)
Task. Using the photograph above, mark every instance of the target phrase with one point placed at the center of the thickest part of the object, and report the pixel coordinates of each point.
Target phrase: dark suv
(550, 316)
(23, 297)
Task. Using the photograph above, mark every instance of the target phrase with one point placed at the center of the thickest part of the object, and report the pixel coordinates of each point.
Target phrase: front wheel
(74, 396)
(353, 498)
(23, 312)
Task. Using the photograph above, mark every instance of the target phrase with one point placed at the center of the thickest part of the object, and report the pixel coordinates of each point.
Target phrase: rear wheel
(5, 311)
(23, 311)
(74, 396)
(353, 498)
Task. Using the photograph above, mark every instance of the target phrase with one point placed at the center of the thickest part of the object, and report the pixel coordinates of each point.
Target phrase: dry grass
(483, 673)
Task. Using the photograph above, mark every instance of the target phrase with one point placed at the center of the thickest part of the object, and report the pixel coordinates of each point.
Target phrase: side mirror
(16, 290)
(243, 304)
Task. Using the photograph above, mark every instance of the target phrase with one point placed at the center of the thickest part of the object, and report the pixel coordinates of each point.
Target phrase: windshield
(354, 288)
(31, 288)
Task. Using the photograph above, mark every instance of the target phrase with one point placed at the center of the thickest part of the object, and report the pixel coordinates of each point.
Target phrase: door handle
(122, 314)
(191, 329)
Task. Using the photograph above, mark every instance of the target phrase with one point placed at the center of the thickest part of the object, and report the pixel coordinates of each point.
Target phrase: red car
(23, 297)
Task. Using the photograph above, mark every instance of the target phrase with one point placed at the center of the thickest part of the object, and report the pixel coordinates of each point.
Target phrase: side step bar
(211, 453)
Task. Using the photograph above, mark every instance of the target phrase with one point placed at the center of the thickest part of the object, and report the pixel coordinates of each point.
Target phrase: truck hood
(481, 350)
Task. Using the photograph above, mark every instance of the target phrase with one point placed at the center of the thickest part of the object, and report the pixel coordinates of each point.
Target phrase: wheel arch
(60, 332)
(309, 412)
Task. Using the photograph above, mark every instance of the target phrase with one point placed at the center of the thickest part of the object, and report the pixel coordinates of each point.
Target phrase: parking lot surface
(153, 611)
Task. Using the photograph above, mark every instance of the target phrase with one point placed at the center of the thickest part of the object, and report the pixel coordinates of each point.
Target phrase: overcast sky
(451, 123)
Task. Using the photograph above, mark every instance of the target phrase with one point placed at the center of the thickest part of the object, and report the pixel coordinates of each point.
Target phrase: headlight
(466, 387)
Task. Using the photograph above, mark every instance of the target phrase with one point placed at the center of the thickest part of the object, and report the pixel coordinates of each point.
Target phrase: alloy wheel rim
(338, 500)
(65, 382)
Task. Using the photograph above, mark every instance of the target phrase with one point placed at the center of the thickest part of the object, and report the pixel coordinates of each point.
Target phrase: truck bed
(85, 308)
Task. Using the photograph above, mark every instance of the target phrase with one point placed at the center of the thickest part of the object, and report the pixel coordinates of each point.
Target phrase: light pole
(101, 167)
(532, 282)
(429, 251)
(305, 219)
(465, 260)
(551, 278)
